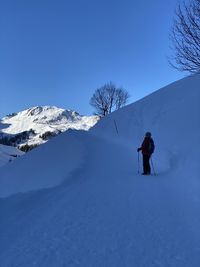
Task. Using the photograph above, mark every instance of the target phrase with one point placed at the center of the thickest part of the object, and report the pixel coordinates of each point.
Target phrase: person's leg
(145, 164)
(148, 165)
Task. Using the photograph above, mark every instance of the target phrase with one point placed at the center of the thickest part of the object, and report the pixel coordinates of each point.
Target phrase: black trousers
(146, 164)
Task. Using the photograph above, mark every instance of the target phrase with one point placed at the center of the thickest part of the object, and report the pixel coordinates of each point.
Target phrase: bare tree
(108, 98)
(185, 37)
(99, 102)
(122, 97)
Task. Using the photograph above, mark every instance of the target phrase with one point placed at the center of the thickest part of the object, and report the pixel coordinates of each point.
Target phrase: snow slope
(53, 162)
(93, 209)
(44, 120)
(8, 154)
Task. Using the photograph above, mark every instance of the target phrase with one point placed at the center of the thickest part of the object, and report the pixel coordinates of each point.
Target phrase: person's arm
(145, 145)
(141, 148)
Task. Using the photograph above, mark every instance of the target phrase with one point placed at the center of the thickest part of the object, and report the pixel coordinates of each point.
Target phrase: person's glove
(138, 149)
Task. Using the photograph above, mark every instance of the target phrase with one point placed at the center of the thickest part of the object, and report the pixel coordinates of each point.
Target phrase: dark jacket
(146, 146)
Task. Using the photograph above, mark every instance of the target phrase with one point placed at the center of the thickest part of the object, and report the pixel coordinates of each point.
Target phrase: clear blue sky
(57, 52)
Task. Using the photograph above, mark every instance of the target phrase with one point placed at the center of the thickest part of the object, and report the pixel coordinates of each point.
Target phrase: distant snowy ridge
(36, 125)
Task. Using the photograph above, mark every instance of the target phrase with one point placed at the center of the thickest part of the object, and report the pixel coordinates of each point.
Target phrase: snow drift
(46, 166)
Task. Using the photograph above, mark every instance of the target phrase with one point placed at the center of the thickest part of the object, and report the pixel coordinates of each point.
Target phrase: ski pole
(153, 167)
(138, 162)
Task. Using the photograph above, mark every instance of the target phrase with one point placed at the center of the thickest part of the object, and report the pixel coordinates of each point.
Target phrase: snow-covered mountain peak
(47, 113)
(42, 122)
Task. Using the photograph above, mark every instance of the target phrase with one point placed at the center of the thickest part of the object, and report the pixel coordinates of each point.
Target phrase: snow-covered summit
(41, 122)
(46, 115)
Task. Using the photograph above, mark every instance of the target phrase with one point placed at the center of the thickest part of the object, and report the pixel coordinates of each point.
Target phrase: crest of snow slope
(102, 213)
(171, 114)
(46, 119)
(46, 166)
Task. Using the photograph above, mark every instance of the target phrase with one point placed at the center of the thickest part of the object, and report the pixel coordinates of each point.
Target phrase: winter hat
(148, 134)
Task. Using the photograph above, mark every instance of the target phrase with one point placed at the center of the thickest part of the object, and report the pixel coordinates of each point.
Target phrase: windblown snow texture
(78, 200)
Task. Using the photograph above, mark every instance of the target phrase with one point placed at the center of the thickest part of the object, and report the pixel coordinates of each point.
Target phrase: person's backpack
(151, 146)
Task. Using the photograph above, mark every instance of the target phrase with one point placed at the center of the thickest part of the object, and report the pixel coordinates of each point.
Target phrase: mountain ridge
(40, 123)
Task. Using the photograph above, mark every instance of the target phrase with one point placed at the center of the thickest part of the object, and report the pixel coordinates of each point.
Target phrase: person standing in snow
(147, 149)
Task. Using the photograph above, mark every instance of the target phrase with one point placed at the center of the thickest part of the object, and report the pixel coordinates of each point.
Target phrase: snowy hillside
(36, 125)
(8, 154)
(82, 202)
